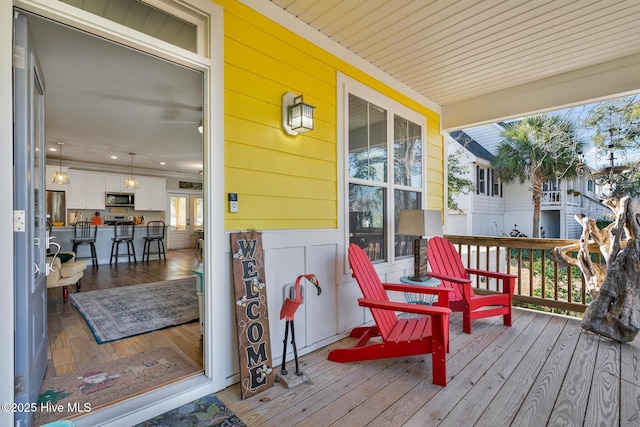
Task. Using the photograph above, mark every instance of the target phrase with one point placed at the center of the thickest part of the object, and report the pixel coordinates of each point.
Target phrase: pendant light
(131, 183)
(60, 177)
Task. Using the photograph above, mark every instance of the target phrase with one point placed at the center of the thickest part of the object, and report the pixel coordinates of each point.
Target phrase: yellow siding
(286, 182)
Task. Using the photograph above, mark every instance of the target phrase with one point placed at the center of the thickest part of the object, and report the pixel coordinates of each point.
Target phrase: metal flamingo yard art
(287, 312)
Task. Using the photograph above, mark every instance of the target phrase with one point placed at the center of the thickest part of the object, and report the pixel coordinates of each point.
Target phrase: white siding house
(497, 209)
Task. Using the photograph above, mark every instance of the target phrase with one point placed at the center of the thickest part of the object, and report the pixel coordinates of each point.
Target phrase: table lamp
(418, 222)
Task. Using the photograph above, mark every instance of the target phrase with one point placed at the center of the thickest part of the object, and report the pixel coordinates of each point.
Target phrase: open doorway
(186, 222)
(98, 134)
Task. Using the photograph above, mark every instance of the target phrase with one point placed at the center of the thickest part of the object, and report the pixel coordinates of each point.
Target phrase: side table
(416, 298)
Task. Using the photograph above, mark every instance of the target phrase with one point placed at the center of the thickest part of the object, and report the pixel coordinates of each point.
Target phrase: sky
(593, 158)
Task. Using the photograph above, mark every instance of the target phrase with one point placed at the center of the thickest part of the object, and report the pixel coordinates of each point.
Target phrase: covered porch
(544, 370)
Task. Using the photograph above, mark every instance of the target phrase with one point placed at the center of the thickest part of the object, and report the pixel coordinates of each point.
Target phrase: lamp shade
(60, 177)
(301, 115)
(418, 222)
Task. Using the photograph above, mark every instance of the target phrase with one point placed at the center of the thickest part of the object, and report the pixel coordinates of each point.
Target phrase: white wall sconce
(297, 117)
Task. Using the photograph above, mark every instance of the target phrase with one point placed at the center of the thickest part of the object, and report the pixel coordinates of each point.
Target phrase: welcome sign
(252, 314)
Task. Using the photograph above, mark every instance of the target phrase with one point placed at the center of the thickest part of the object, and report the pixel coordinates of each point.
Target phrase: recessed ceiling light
(162, 163)
(52, 149)
(114, 157)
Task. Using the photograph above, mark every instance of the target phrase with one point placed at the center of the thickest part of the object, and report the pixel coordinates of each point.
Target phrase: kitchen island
(104, 235)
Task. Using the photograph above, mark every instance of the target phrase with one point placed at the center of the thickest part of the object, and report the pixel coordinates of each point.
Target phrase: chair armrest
(434, 290)
(494, 274)
(508, 279)
(459, 280)
(442, 292)
(404, 307)
(56, 262)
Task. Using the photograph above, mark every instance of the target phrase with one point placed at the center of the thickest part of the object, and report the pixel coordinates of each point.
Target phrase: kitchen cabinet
(151, 194)
(86, 190)
(116, 184)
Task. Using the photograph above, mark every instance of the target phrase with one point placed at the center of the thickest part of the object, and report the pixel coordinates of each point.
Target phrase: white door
(30, 280)
(185, 221)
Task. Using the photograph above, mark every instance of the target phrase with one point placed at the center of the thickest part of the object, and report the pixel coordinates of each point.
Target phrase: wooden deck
(543, 371)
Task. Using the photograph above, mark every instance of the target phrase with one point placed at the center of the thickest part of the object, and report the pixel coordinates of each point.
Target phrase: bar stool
(155, 233)
(84, 233)
(123, 233)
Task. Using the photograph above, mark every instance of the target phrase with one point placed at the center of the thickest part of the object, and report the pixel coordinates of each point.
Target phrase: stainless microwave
(119, 199)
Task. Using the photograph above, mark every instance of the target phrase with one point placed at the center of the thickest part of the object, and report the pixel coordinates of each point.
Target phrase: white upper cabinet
(151, 194)
(86, 190)
(116, 184)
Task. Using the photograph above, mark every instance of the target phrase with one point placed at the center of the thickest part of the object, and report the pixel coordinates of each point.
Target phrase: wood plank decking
(543, 371)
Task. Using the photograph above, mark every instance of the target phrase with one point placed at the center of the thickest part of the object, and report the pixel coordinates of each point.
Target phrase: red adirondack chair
(426, 334)
(447, 266)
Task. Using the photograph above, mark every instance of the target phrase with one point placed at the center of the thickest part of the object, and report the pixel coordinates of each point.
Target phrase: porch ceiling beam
(598, 82)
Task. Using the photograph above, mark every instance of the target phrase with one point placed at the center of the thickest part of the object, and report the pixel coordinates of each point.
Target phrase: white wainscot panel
(322, 311)
(350, 313)
(282, 266)
(226, 290)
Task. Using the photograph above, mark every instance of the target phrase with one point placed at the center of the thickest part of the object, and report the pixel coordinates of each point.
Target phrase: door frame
(211, 63)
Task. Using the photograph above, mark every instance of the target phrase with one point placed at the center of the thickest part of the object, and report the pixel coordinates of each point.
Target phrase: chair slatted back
(124, 230)
(445, 259)
(371, 288)
(84, 231)
(155, 229)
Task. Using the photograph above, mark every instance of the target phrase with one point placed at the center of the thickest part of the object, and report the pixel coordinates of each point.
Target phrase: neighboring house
(497, 209)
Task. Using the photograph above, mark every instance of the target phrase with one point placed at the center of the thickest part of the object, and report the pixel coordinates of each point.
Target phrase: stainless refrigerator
(56, 207)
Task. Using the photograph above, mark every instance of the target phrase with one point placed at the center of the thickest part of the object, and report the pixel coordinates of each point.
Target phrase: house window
(495, 184)
(480, 180)
(385, 169)
(150, 20)
(590, 186)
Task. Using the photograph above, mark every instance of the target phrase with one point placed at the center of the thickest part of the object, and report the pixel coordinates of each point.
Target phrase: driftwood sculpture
(615, 312)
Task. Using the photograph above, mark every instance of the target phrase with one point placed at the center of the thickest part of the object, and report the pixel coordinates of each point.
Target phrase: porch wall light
(297, 117)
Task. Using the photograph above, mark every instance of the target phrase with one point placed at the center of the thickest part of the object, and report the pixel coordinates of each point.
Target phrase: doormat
(205, 411)
(125, 311)
(85, 391)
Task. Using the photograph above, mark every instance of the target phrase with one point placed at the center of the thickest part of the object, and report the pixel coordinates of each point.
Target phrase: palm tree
(538, 148)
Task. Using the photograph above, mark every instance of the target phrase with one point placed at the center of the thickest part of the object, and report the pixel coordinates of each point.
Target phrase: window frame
(393, 108)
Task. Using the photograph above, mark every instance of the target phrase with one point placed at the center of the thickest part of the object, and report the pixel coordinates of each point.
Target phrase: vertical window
(480, 180)
(385, 168)
(495, 183)
(178, 214)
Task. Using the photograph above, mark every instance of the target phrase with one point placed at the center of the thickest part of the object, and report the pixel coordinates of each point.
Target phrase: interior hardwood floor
(72, 346)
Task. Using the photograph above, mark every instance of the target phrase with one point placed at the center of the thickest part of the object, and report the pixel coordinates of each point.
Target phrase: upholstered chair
(65, 273)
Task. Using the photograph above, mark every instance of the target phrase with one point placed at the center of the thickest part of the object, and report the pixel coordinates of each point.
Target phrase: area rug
(122, 312)
(81, 392)
(205, 411)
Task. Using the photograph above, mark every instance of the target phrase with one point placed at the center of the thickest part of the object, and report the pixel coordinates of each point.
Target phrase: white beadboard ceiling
(478, 60)
(455, 51)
